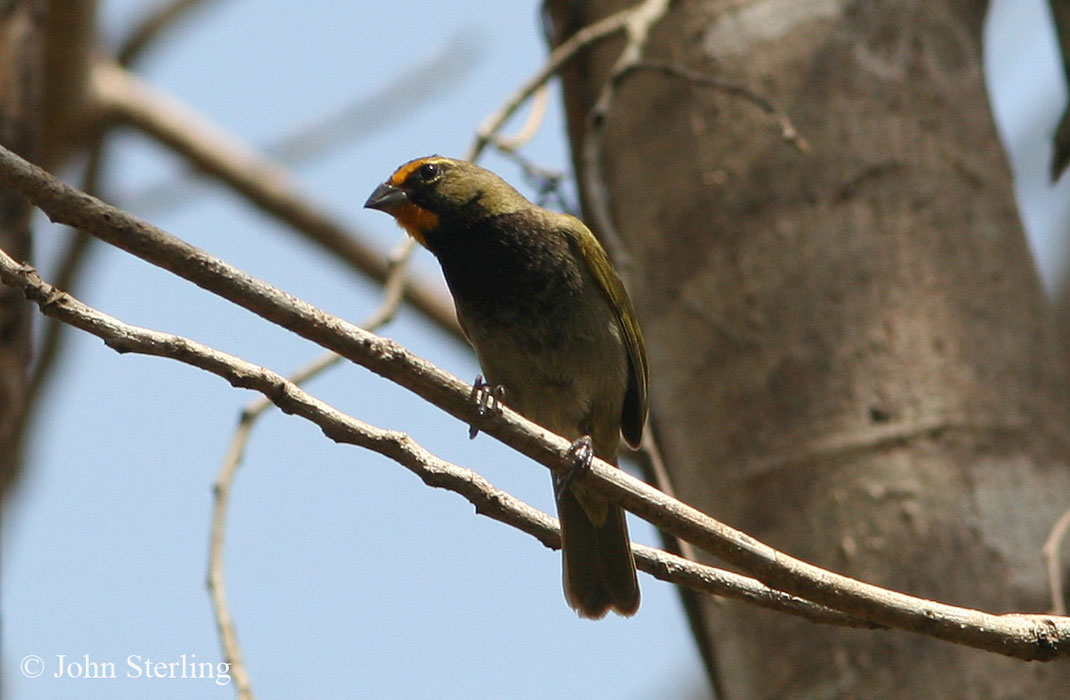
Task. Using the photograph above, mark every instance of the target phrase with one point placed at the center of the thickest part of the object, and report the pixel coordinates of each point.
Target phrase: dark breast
(509, 276)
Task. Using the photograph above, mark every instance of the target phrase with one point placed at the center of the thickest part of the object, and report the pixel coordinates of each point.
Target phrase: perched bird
(552, 325)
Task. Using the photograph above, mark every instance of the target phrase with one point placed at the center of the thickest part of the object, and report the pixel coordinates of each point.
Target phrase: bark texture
(851, 355)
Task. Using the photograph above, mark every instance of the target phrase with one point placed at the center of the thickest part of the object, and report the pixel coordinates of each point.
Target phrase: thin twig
(531, 126)
(585, 37)
(394, 292)
(217, 588)
(290, 398)
(1052, 545)
(1019, 635)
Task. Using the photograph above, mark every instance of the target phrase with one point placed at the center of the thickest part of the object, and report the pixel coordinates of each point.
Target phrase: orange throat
(416, 220)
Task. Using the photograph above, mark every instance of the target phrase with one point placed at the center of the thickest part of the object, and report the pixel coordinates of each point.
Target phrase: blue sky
(347, 576)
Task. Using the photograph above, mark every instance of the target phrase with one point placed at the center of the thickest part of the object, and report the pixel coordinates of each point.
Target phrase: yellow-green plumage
(550, 322)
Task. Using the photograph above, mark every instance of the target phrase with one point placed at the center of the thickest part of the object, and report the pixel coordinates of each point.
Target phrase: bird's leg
(488, 401)
(580, 454)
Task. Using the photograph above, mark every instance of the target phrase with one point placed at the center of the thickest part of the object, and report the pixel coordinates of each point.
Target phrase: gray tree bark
(851, 355)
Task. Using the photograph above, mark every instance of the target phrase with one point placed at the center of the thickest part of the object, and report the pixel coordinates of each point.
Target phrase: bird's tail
(599, 570)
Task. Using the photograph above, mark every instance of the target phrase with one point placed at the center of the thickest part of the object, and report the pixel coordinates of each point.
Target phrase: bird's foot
(488, 402)
(580, 454)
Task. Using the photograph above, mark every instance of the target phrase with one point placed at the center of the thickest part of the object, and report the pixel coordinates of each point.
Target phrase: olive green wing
(633, 415)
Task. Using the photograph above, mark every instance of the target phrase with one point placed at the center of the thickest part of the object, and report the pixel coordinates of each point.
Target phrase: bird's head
(428, 193)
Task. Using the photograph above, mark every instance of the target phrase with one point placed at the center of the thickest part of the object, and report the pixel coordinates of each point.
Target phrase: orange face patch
(415, 220)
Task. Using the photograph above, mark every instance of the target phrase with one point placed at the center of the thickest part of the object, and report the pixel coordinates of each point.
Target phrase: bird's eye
(428, 171)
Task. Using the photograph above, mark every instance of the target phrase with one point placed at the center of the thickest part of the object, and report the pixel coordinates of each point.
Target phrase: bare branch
(217, 587)
(1024, 636)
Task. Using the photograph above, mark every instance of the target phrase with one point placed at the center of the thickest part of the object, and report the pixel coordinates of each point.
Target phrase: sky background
(347, 576)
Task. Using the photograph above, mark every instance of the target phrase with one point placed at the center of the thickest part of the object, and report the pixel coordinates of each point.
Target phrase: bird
(555, 333)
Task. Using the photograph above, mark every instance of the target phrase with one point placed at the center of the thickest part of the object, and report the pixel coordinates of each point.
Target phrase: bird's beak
(387, 198)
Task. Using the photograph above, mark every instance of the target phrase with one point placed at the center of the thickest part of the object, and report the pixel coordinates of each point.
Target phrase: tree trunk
(20, 90)
(851, 355)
